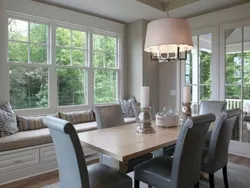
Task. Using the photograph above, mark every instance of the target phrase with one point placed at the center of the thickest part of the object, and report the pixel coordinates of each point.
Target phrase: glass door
(237, 77)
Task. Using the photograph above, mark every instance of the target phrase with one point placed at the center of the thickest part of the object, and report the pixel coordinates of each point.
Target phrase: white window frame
(118, 64)
(29, 64)
(53, 103)
(71, 66)
(214, 69)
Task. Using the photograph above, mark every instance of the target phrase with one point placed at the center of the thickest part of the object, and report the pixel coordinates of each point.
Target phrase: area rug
(239, 177)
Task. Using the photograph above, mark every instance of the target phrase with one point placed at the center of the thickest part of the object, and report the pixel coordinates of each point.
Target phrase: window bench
(30, 153)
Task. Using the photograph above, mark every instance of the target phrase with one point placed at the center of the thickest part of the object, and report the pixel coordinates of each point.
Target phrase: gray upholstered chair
(111, 116)
(183, 169)
(215, 107)
(73, 171)
(206, 107)
(215, 155)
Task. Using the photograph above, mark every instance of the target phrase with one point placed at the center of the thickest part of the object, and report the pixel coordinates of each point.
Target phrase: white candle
(186, 94)
(144, 97)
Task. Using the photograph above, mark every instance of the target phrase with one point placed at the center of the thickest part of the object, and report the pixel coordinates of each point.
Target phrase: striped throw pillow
(31, 123)
(78, 117)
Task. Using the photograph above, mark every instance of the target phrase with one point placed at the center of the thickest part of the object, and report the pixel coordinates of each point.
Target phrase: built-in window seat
(30, 153)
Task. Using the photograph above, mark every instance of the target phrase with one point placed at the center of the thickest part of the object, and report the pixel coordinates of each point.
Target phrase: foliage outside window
(71, 60)
(28, 58)
(105, 68)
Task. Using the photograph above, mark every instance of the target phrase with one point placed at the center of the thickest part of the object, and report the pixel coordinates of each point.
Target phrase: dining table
(123, 143)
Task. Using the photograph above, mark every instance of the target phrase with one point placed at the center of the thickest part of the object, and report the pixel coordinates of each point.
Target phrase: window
(105, 66)
(71, 61)
(53, 66)
(28, 62)
(197, 70)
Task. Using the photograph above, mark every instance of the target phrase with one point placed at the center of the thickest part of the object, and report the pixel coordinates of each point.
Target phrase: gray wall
(3, 58)
(167, 78)
(135, 58)
(141, 71)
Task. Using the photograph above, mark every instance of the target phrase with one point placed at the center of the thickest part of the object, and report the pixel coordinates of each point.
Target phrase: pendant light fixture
(167, 38)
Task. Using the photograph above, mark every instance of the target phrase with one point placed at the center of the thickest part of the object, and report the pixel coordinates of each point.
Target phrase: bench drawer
(22, 159)
(47, 154)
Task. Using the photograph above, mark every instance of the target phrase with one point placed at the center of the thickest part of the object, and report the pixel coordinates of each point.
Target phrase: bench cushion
(78, 117)
(36, 137)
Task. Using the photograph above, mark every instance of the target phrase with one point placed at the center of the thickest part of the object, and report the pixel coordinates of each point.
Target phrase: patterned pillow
(129, 107)
(31, 123)
(78, 117)
(8, 123)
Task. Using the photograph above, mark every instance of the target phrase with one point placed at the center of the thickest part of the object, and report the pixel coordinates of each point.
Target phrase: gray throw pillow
(8, 123)
(130, 107)
(127, 109)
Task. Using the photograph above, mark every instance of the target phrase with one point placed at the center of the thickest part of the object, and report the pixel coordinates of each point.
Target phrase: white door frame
(214, 64)
(236, 147)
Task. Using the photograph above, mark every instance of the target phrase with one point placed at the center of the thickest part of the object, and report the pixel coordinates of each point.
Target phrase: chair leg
(197, 185)
(211, 180)
(224, 170)
(136, 184)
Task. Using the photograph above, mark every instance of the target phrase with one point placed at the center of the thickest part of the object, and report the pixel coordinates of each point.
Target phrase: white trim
(213, 67)
(91, 83)
(120, 58)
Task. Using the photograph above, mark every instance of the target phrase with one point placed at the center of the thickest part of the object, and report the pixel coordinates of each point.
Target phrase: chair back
(71, 162)
(188, 151)
(108, 116)
(215, 107)
(217, 156)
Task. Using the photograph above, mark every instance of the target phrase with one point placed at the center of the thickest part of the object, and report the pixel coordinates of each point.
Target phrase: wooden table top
(123, 142)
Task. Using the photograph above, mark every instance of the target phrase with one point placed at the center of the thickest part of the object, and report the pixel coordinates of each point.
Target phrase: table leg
(123, 166)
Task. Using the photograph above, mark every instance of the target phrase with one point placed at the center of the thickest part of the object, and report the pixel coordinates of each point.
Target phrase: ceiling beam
(178, 3)
(154, 3)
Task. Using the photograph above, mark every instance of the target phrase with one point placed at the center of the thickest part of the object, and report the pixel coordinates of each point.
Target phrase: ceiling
(127, 11)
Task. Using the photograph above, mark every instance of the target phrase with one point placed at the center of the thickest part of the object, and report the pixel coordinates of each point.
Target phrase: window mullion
(90, 70)
(71, 60)
(29, 42)
(198, 66)
(53, 89)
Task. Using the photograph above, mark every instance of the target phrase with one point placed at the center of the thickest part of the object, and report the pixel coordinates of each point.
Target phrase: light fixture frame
(162, 59)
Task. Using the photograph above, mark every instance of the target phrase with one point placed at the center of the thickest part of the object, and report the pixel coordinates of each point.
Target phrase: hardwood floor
(52, 177)
(35, 182)
(244, 161)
